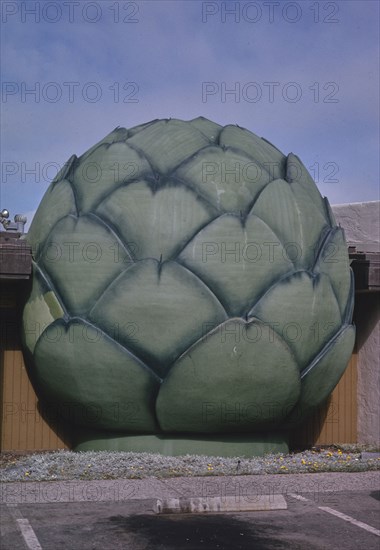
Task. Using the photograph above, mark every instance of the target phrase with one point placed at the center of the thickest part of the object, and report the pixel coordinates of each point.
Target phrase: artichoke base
(228, 445)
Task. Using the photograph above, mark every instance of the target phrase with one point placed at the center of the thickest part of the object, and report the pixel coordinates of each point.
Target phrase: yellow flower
(303, 461)
(27, 473)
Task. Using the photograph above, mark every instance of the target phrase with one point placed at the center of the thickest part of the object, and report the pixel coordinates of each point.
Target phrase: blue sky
(130, 62)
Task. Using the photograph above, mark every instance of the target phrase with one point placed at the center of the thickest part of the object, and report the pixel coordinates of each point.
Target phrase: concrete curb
(217, 504)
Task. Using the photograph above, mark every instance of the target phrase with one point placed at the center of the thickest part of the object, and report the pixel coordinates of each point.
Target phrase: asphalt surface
(324, 511)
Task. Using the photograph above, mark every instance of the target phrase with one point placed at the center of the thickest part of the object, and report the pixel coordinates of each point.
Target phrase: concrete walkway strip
(217, 504)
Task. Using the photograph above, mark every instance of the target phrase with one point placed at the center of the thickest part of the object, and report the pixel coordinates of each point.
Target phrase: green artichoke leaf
(349, 311)
(329, 212)
(265, 154)
(320, 377)
(92, 381)
(237, 260)
(83, 257)
(295, 219)
(118, 134)
(303, 309)
(296, 172)
(57, 203)
(231, 380)
(136, 129)
(210, 129)
(159, 310)
(168, 143)
(66, 170)
(159, 223)
(108, 167)
(42, 309)
(228, 178)
(334, 262)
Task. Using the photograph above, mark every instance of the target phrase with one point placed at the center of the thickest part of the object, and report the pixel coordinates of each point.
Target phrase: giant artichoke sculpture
(191, 292)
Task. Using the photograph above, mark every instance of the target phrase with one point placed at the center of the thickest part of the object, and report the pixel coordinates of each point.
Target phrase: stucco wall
(361, 224)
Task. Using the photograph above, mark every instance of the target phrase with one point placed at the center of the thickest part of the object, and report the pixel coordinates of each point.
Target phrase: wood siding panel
(22, 426)
(336, 421)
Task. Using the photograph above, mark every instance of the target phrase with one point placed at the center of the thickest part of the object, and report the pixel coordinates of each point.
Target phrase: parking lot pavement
(314, 519)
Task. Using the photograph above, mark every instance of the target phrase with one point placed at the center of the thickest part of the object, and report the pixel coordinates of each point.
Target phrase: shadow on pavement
(217, 532)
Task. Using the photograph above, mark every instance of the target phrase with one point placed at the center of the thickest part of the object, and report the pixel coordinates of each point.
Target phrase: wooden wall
(336, 421)
(22, 426)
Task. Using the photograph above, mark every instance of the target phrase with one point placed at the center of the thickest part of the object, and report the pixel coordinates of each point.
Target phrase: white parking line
(29, 535)
(350, 520)
(356, 522)
(26, 529)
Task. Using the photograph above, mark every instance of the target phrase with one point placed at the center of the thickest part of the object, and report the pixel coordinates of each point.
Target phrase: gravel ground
(68, 465)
